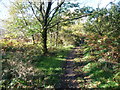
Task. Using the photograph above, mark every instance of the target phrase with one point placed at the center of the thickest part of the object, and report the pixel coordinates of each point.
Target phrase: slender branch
(35, 13)
(24, 18)
(85, 15)
(40, 9)
(21, 13)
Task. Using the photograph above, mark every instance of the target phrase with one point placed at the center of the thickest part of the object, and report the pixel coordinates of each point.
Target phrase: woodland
(60, 44)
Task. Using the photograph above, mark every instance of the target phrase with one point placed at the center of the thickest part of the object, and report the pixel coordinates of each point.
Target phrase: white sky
(4, 5)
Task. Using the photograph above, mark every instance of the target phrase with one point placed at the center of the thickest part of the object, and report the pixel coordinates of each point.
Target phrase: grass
(97, 73)
(101, 74)
(52, 66)
(29, 68)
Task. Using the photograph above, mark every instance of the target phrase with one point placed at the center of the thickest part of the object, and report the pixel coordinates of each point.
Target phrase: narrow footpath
(69, 76)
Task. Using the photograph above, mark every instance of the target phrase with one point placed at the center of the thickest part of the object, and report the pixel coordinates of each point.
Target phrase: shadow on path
(69, 77)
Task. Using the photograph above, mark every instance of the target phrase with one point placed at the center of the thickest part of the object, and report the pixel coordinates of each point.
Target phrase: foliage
(25, 67)
(102, 74)
(40, 36)
(104, 21)
(103, 38)
(102, 47)
(96, 72)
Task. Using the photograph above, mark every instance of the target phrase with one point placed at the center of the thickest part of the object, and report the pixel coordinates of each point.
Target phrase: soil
(69, 76)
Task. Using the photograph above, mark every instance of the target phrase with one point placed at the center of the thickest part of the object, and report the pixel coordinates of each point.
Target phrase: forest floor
(69, 79)
(81, 73)
(64, 67)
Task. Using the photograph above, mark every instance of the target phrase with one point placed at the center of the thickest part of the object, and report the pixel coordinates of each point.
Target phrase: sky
(4, 5)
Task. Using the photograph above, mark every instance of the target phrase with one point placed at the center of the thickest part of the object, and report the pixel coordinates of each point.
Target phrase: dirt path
(69, 79)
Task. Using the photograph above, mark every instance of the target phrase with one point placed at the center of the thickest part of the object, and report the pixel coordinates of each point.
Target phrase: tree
(104, 31)
(44, 15)
(104, 21)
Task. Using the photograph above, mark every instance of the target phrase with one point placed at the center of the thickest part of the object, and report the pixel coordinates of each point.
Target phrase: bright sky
(4, 5)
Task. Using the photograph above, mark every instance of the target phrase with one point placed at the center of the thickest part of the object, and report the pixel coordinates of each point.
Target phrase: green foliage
(104, 21)
(103, 74)
(25, 67)
(102, 47)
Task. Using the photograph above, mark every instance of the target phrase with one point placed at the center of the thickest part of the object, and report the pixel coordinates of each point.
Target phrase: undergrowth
(24, 66)
(95, 71)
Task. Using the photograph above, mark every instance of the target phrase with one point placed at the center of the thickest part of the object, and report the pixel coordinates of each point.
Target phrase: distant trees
(104, 21)
(32, 17)
(103, 27)
(46, 14)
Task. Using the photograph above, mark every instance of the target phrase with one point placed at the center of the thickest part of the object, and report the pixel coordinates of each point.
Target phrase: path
(69, 79)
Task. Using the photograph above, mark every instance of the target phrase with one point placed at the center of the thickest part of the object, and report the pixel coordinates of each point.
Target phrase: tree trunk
(57, 32)
(51, 37)
(44, 37)
(33, 39)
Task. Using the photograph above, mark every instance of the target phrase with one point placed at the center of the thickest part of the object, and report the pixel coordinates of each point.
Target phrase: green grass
(52, 66)
(99, 72)
(47, 69)
(103, 74)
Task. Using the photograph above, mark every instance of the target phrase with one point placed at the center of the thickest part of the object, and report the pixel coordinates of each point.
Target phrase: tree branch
(47, 13)
(34, 13)
(21, 13)
(56, 9)
(85, 15)
(40, 9)
(48, 9)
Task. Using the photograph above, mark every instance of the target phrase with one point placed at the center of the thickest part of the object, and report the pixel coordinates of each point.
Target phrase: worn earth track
(69, 76)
